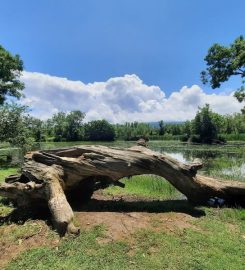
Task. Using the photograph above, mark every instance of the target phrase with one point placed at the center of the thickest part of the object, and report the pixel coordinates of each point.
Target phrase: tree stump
(50, 176)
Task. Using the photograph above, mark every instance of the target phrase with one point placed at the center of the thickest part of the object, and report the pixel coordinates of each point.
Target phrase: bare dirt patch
(11, 247)
(121, 215)
(122, 224)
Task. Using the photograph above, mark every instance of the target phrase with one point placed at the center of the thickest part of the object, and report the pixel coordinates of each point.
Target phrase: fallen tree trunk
(51, 176)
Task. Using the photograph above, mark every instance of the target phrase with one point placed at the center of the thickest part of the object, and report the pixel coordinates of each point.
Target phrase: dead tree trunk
(49, 176)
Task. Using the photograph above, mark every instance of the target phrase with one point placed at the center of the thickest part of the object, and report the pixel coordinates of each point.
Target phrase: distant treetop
(11, 67)
(224, 62)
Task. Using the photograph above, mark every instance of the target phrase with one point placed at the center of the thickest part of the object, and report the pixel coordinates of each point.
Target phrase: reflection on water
(228, 165)
(179, 156)
(219, 161)
(235, 170)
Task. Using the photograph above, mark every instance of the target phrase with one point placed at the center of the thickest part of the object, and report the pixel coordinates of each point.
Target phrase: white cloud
(118, 99)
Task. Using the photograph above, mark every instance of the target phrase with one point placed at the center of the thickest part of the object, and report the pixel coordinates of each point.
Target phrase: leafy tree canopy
(205, 124)
(14, 126)
(10, 71)
(161, 128)
(99, 130)
(224, 62)
(68, 126)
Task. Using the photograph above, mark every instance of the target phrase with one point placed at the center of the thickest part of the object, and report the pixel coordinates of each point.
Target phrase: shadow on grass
(21, 215)
(155, 206)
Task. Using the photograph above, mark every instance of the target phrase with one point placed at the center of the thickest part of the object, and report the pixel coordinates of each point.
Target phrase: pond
(221, 161)
(226, 162)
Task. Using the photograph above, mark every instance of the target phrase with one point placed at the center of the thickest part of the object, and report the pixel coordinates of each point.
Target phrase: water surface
(221, 161)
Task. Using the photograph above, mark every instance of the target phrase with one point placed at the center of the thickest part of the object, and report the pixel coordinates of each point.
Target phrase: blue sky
(162, 42)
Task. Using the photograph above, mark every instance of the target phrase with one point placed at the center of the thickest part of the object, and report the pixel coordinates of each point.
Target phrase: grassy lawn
(215, 241)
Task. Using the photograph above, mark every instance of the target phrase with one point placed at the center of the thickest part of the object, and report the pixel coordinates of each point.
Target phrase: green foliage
(58, 125)
(20, 129)
(133, 131)
(205, 125)
(10, 71)
(36, 128)
(74, 121)
(14, 126)
(161, 128)
(234, 137)
(211, 122)
(99, 130)
(224, 62)
(66, 126)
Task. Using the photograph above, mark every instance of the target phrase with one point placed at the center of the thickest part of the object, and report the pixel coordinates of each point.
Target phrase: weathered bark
(50, 176)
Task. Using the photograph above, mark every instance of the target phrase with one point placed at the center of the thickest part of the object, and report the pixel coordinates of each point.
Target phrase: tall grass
(147, 186)
(234, 137)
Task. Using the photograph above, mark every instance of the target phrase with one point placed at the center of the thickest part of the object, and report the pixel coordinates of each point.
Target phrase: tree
(36, 128)
(14, 126)
(11, 67)
(204, 126)
(99, 130)
(224, 62)
(161, 128)
(133, 131)
(66, 126)
(74, 121)
(59, 122)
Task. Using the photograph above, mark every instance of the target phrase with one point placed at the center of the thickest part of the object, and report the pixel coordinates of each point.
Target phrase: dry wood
(53, 175)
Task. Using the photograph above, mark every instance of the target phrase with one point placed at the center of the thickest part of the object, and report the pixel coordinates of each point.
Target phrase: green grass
(234, 137)
(18, 232)
(226, 167)
(5, 209)
(146, 186)
(212, 243)
(6, 171)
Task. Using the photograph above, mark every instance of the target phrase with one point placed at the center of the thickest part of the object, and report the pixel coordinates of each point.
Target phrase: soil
(123, 224)
(10, 250)
(121, 215)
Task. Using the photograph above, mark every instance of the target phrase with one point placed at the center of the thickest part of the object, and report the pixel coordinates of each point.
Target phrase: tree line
(19, 128)
(206, 127)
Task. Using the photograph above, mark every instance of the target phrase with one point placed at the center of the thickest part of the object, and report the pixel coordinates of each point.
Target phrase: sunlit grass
(147, 186)
(4, 172)
(18, 231)
(212, 243)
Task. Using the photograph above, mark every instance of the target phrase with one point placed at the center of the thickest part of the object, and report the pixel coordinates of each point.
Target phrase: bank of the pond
(222, 161)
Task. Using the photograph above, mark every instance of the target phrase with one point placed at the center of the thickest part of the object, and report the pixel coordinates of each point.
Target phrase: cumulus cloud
(118, 99)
